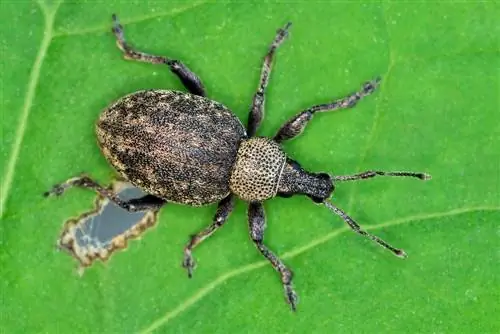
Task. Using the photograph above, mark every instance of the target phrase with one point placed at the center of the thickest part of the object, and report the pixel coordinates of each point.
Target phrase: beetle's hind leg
(147, 202)
(223, 211)
(257, 224)
(190, 80)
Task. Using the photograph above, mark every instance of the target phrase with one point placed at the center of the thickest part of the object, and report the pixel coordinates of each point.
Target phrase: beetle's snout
(295, 180)
(323, 187)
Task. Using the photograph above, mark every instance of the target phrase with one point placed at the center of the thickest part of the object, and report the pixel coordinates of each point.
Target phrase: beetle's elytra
(173, 145)
(185, 148)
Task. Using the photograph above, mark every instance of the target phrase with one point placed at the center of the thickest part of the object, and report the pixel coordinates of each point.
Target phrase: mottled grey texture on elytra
(177, 146)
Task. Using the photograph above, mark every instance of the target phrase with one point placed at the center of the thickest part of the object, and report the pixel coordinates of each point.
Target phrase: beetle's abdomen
(173, 145)
(257, 170)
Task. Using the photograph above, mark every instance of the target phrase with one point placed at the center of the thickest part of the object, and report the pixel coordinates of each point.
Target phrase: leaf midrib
(49, 16)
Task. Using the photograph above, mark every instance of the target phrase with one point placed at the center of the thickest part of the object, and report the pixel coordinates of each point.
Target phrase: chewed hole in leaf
(98, 233)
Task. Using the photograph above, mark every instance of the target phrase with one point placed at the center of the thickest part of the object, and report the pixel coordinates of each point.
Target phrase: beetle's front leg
(257, 109)
(223, 211)
(148, 202)
(296, 125)
(257, 224)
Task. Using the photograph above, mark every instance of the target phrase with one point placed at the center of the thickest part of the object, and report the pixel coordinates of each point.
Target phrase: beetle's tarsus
(425, 176)
(370, 86)
(400, 253)
(189, 264)
(291, 297)
(116, 22)
(56, 191)
(282, 33)
(117, 28)
(59, 189)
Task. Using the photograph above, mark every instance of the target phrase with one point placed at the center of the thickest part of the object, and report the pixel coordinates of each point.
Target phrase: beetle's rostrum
(185, 148)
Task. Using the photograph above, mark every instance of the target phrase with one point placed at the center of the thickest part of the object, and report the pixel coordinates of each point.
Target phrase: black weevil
(185, 148)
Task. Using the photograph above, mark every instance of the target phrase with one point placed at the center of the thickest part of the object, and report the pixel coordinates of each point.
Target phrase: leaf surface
(437, 110)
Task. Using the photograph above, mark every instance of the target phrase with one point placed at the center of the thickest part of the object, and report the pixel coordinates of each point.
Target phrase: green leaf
(437, 110)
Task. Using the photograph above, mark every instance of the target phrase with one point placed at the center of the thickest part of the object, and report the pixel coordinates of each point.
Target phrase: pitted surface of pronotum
(257, 169)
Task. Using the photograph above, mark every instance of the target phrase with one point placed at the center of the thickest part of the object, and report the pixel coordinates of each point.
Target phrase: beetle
(188, 149)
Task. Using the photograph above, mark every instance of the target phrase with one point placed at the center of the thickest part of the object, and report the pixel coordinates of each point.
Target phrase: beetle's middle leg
(257, 222)
(223, 211)
(294, 126)
(147, 202)
(190, 80)
(257, 110)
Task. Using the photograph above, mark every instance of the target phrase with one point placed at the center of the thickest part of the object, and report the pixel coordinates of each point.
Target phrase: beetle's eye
(317, 199)
(324, 176)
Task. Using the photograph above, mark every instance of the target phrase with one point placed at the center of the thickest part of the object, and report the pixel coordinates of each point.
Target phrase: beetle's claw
(370, 86)
(117, 27)
(116, 22)
(282, 34)
(401, 253)
(291, 297)
(284, 31)
(120, 36)
(189, 263)
(424, 176)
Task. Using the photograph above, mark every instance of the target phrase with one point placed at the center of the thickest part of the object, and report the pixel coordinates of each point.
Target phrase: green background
(437, 110)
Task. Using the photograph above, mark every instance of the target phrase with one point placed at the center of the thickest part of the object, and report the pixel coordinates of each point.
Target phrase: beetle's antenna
(356, 228)
(372, 173)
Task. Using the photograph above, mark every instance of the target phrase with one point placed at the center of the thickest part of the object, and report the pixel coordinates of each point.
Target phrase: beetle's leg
(187, 77)
(257, 110)
(294, 126)
(257, 223)
(223, 211)
(148, 202)
(371, 173)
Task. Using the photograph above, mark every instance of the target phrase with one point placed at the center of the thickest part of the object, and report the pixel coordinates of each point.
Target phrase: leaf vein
(8, 177)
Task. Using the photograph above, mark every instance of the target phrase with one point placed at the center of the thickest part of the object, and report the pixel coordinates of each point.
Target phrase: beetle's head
(319, 187)
(295, 180)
